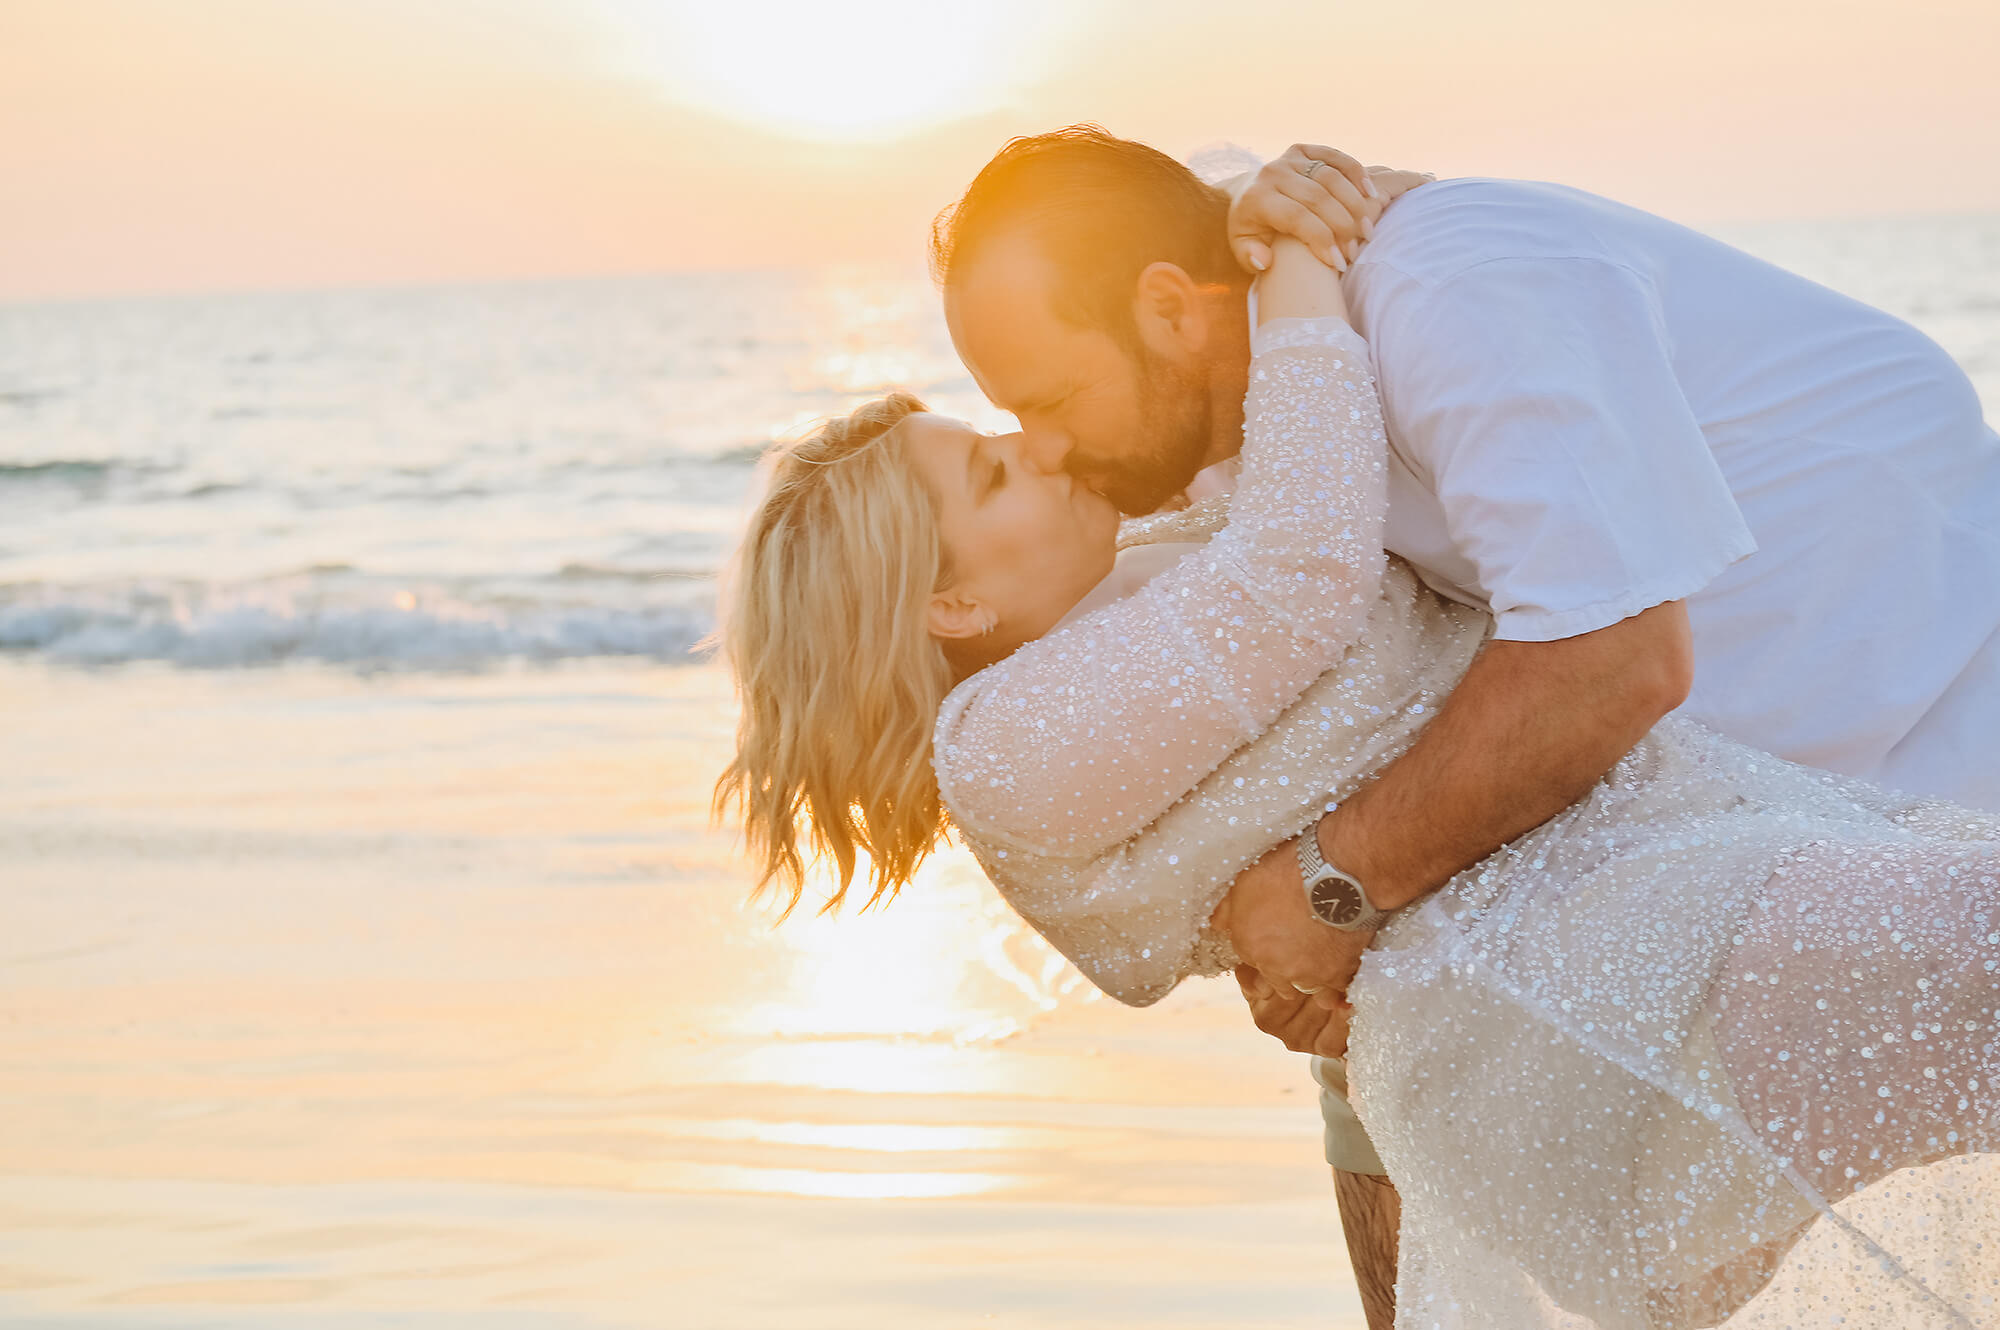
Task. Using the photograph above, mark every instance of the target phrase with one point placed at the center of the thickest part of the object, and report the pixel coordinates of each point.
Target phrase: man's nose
(1044, 450)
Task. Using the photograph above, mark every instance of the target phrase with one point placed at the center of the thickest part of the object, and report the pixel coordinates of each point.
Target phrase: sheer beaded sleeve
(1080, 739)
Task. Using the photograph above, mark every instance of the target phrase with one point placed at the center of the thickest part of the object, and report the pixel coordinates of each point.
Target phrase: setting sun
(868, 69)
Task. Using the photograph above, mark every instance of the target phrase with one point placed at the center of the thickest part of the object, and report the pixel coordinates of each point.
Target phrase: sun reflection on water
(944, 961)
(875, 331)
(859, 1054)
(822, 1183)
(866, 370)
(874, 1137)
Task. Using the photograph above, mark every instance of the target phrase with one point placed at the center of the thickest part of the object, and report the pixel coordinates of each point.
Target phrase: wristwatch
(1336, 899)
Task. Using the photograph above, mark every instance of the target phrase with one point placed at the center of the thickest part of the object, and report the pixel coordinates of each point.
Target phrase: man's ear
(1168, 308)
(954, 616)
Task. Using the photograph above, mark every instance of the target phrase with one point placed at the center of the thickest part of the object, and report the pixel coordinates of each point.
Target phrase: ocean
(454, 478)
(416, 479)
(368, 954)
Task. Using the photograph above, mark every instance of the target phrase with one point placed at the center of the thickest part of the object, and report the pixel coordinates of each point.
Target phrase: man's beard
(1175, 427)
(1175, 423)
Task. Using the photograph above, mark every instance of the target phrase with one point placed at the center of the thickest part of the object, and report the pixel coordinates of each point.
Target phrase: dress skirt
(1719, 1044)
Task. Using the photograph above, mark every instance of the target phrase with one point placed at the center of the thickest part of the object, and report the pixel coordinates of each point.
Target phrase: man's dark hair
(1102, 209)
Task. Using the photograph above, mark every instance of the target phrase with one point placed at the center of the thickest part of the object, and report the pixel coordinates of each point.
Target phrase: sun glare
(850, 71)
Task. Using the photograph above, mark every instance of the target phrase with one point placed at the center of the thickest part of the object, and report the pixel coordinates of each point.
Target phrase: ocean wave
(75, 471)
(28, 397)
(224, 631)
(743, 454)
(585, 572)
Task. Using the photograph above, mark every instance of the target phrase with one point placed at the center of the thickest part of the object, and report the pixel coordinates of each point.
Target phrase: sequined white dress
(1655, 1064)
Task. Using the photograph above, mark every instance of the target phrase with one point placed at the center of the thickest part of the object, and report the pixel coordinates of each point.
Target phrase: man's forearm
(1527, 732)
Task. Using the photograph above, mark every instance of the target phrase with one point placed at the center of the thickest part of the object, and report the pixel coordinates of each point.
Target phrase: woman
(1618, 1069)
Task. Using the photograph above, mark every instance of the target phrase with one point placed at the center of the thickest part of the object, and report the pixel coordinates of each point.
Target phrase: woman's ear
(954, 616)
(1169, 311)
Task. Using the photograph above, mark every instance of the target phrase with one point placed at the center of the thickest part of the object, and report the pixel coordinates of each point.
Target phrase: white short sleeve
(1537, 398)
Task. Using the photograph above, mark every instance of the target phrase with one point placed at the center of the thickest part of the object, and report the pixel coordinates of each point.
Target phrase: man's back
(1595, 410)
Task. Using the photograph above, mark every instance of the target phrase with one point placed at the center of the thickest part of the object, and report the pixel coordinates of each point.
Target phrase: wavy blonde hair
(825, 627)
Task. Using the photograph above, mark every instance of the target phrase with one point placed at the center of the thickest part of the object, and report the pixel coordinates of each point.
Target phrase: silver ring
(1303, 989)
(1312, 166)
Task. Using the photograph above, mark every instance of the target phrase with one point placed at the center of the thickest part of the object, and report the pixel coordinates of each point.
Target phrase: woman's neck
(967, 656)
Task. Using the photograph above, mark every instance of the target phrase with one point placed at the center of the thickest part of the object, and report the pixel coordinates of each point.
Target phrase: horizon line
(917, 263)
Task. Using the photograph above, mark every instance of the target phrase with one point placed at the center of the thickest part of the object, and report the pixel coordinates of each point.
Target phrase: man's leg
(1371, 1213)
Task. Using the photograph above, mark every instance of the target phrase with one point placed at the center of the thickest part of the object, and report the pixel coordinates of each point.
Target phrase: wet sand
(433, 1001)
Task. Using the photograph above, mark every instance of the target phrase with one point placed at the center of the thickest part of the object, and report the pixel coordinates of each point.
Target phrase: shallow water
(433, 1001)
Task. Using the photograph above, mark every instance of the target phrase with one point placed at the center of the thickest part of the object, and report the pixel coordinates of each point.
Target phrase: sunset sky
(175, 145)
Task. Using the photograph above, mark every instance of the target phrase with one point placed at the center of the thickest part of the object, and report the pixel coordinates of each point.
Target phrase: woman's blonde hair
(825, 626)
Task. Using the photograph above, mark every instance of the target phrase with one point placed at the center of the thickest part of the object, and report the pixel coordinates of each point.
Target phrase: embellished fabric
(1721, 1042)
(1085, 737)
(1619, 1069)
(1219, 676)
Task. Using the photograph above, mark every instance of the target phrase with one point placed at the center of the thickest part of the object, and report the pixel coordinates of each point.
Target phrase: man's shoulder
(1439, 231)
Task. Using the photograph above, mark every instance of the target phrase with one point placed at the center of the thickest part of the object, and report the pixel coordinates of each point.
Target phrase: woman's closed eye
(985, 472)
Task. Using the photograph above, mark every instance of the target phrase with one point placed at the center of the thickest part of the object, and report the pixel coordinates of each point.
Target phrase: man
(1677, 476)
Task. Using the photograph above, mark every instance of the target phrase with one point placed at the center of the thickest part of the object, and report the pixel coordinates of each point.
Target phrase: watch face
(1337, 901)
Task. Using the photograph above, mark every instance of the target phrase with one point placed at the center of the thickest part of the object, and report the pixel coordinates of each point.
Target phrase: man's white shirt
(1592, 411)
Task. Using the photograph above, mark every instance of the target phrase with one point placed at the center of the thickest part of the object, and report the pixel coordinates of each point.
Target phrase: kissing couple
(1551, 656)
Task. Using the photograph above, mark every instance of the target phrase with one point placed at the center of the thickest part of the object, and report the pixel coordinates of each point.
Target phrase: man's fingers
(1302, 1028)
(1329, 1032)
(1281, 1012)
(1354, 171)
(1315, 1029)
(1251, 980)
(1330, 999)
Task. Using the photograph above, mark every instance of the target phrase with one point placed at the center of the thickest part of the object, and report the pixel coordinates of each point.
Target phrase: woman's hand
(1299, 286)
(1316, 194)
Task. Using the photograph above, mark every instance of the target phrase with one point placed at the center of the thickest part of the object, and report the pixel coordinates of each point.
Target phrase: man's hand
(1316, 194)
(1285, 1014)
(1273, 930)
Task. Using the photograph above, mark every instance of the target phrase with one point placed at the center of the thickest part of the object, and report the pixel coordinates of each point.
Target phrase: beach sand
(432, 1000)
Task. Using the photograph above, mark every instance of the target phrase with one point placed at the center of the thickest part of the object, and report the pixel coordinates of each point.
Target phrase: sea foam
(101, 628)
